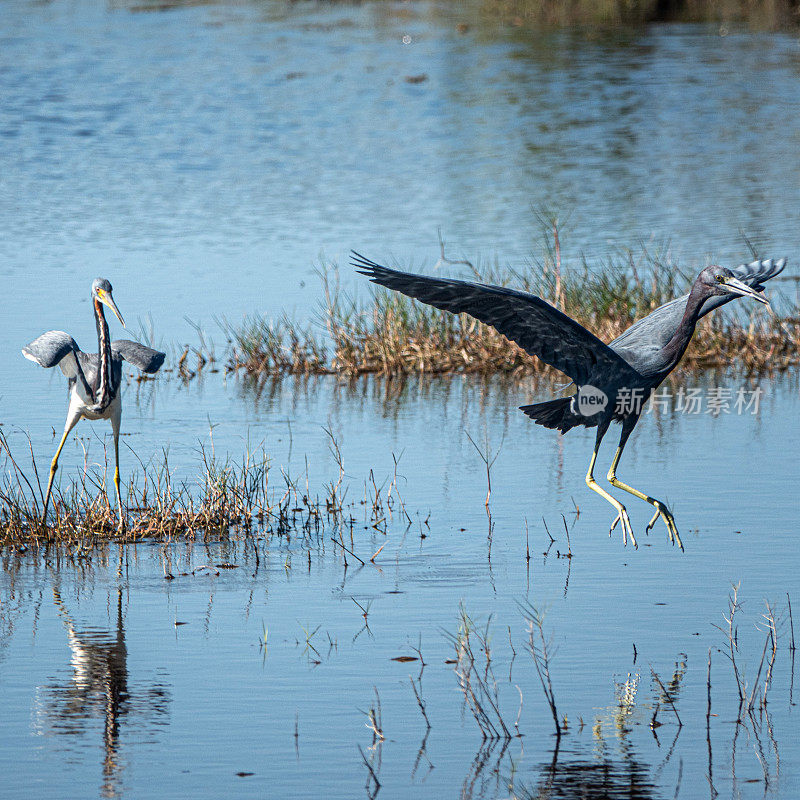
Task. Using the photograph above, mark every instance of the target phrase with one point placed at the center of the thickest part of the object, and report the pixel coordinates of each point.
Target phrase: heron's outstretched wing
(652, 332)
(536, 326)
(57, 347)
(54, 348)
(144, 358)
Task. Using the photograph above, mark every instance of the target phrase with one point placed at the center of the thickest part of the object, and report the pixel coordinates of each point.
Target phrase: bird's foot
(672, 529)
(627, 528)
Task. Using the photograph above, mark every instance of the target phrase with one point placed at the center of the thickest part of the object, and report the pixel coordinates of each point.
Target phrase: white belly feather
(80, 405)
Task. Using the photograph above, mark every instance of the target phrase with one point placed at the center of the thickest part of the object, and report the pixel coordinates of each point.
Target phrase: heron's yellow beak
(106, 298)
(735, 286)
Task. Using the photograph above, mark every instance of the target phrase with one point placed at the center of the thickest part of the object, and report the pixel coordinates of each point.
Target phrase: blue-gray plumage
(94, 378)
(621, 374)
(52, 349)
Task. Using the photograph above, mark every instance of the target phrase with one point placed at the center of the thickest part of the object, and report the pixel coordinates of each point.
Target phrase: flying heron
(94, 378)
(612, 380)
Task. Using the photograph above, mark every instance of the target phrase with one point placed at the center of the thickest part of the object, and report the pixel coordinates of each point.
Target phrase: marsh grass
(389, 334)
(244, 497)
(747, 710)
(472, 659)
(269, 347)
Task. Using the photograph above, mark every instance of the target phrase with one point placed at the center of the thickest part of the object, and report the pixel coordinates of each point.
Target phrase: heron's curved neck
(103, 394)
(674, 349)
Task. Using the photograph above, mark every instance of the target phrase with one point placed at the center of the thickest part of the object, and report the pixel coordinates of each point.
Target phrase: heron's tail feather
(555, 414)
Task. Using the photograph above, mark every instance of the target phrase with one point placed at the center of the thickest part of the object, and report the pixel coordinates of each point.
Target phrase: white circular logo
(589, 401)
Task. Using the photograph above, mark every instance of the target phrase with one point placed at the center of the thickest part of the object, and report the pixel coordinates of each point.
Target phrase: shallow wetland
(313, 596)
(282, 639)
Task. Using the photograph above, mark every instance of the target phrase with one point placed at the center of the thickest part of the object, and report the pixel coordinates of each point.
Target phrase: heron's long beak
(735, 286)
(105, 297)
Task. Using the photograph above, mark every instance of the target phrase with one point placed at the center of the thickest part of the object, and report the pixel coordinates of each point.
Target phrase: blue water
(205, 701)
(207, 159)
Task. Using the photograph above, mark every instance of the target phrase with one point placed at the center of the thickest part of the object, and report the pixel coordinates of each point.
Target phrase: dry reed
(390, 334)
(227, 498)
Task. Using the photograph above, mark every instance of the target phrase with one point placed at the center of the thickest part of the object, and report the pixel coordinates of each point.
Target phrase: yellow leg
(116, 484)
(622, 514)
(661, 510)
(53, 468)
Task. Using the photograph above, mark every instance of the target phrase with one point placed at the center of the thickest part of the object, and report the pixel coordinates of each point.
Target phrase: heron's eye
(720, 278)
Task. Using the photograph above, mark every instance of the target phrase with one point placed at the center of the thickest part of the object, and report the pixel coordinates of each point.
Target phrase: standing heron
(94, 378)
(612, 381)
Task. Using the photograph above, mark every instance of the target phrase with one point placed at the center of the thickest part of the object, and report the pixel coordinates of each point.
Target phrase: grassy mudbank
(226, 498)
(773, 14)
(391, 335)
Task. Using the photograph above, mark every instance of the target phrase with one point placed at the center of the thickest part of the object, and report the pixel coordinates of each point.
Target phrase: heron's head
(720, 281)
(101, 291)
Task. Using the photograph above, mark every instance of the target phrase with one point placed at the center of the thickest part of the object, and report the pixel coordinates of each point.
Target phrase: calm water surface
(105, 694)
(207, 159)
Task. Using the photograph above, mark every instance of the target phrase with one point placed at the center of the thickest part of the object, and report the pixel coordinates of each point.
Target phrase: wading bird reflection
(622, 374)
(94, 378)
